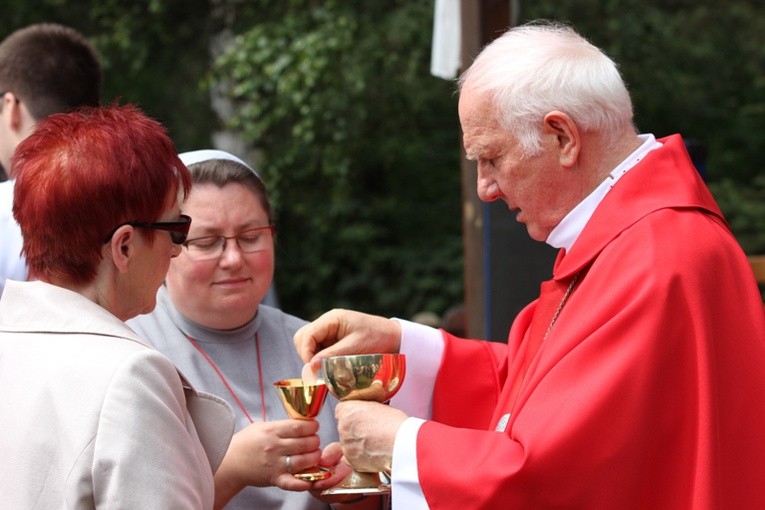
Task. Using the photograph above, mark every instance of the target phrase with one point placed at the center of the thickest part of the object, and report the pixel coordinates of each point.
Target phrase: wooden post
(472, 210)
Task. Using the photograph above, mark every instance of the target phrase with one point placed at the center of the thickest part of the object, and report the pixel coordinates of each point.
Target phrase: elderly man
(636, 379)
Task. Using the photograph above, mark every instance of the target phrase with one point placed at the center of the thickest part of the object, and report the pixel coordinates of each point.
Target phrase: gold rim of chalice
(301, 401)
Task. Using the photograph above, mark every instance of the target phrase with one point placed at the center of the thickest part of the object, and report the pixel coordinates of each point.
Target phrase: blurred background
(360, 145)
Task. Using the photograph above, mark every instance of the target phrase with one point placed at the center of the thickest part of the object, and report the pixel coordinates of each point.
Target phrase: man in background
(45, 68)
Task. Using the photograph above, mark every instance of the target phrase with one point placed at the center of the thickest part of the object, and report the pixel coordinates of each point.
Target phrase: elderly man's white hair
(539, 67)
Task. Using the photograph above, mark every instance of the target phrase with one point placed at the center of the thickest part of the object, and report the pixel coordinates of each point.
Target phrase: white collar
(567, 231)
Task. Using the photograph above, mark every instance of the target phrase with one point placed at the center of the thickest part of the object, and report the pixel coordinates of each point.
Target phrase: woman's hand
(257, 456)
(332, 458)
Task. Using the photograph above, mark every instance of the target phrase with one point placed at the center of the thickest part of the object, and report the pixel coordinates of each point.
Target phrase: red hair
(79, 175)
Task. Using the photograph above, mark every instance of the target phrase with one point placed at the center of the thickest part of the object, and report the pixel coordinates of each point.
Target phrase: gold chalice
(303, 402)
(375, 377)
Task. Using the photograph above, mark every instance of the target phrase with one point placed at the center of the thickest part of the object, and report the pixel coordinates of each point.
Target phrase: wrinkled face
(529, 185)
(224, 292)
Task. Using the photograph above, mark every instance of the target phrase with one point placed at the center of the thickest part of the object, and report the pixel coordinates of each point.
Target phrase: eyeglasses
(212, 247)
(178, 229)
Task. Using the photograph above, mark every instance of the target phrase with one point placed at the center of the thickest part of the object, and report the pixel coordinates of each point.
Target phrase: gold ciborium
(303, 402)
(375, 377)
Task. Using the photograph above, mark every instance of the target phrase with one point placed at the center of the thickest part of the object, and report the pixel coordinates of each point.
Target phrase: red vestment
(649, 390)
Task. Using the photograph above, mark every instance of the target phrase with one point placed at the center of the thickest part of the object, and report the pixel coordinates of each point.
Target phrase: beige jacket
(91, 417)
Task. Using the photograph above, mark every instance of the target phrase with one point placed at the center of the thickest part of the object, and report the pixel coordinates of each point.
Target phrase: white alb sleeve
(423, 347)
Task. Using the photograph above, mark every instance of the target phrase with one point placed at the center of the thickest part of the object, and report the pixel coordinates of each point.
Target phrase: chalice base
(360, 483)
(313, 474)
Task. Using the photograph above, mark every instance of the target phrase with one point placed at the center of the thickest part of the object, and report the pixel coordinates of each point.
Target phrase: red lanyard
(225, 382)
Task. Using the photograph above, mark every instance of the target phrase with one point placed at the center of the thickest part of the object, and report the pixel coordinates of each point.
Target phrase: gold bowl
(301, 401)
(375, 377)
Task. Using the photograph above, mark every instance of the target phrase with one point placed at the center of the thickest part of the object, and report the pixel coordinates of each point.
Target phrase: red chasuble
(648, 391)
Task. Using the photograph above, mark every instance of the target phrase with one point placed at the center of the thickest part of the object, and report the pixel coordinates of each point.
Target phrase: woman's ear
(567, 140)
(121, 247)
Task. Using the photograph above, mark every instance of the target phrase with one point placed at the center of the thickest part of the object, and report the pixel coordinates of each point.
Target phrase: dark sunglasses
(178, 229)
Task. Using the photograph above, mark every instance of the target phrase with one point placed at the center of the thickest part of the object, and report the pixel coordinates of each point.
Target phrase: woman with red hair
(94, 417)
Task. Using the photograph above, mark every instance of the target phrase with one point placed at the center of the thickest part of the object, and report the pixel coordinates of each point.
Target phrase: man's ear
(12, 111)
(121, 247)
(566, 133)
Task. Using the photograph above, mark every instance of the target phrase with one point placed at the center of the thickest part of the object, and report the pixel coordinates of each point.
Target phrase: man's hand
(340, 332)
(367, 433)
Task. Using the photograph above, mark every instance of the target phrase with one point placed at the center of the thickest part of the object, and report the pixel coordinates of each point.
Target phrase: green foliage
(360, 152)
(154, 53)
(745, 210)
